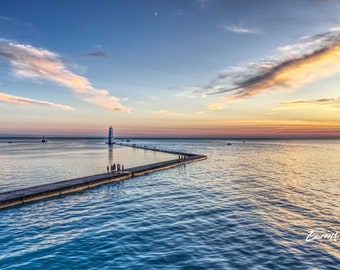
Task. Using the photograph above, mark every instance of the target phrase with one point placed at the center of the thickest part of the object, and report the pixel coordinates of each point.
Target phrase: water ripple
(249, 206)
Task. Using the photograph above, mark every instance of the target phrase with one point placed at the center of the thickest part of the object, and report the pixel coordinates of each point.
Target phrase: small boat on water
(43, 139)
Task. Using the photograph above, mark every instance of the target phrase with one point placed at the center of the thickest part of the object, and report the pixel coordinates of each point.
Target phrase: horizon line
(122, 137)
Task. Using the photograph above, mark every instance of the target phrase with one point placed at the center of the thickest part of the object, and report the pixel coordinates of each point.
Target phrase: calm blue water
(26, 163)
(248, 206)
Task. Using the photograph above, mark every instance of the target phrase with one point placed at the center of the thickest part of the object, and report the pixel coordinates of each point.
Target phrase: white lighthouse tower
(110, 136)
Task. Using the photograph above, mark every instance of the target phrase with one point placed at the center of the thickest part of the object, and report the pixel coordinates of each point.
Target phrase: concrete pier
(17, 197)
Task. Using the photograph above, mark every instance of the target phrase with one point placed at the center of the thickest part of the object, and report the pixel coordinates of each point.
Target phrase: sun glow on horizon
(189, 73)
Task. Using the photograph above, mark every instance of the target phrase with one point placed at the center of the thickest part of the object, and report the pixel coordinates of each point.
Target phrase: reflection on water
(248, 206)
(110, 151)
(29, 163)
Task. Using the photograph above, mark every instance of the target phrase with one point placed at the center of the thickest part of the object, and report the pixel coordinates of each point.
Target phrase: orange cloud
(30, 102)
(310, 59)
(239, 129)
(35, 63)
(326, 102)
(272, 128)
(216, 106)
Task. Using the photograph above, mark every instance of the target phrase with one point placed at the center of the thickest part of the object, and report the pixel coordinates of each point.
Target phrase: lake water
(250, 205)
(26, 163)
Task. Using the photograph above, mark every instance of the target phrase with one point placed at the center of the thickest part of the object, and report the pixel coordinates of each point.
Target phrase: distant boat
(229, 143)
(43, 139)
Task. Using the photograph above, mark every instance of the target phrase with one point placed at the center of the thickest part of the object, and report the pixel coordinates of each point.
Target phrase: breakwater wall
(31, 194)
(146, 147)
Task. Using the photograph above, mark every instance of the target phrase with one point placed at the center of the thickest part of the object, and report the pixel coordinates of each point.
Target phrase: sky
(170, 68)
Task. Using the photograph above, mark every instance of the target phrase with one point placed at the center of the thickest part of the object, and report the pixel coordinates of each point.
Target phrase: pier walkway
(31, 194)
(145, 147)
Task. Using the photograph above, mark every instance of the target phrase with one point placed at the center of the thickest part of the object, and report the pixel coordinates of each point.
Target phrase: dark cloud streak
(333, 102)
(97, 54)
(280, 72)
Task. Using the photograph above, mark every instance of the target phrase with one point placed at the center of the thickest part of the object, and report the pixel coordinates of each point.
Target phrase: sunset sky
(185, 68)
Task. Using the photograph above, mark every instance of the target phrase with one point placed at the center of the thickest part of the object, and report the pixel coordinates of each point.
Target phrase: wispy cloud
(239, 29)
(333, 103)
(97, 54)
(30, 62)
(167, 113)
(179, 12)
(11, 25)
(202, 4)
(188, 92)
(5, 18)
(6, 98)
(310, 59)
(216, 106)
(153, 98)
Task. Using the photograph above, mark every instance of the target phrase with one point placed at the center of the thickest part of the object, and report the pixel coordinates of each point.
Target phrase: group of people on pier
(182, 157)
(115, 168)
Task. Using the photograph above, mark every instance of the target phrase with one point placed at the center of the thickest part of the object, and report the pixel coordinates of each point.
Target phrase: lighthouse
(110, 136)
